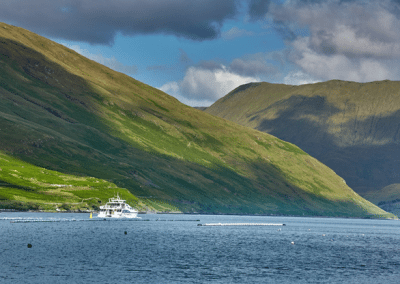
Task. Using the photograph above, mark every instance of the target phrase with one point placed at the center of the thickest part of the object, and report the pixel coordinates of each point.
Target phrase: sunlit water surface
(174, 249)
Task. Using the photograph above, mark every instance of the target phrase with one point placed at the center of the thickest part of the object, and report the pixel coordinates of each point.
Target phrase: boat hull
(116, 215)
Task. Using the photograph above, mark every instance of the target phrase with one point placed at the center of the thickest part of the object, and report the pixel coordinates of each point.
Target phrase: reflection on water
(71, 248)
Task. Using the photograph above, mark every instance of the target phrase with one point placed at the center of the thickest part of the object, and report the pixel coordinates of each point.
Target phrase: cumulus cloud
(209, 80)
(110, 62)
(201, 87)
(348, 40)
(339, 66)
(211, 84)
(98, 21)
(173, 89)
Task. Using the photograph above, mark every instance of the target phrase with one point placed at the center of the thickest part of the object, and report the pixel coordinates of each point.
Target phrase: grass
(21, 182)
(102, 131)
(351, 127)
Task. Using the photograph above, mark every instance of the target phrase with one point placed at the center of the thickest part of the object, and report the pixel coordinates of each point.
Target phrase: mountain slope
(388, 198)
(63, 112)
(24, 187)
(351, 127)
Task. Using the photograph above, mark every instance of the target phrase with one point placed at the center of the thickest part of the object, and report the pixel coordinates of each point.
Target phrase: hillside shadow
(11, 185)
(52, 122)
(364, 152)
(58, 129)
(46, 100)
(294, 200)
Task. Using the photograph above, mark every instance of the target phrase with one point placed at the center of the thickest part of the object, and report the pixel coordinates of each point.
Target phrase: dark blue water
(164, 251)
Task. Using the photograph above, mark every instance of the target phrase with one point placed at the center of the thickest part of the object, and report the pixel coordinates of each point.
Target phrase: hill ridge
(63, 112)
(352, 127)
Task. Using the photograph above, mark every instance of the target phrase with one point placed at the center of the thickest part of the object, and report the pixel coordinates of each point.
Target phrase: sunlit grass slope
(65, 113)
(27, 187)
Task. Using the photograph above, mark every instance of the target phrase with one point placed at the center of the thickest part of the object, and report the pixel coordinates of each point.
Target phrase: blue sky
(199, 50)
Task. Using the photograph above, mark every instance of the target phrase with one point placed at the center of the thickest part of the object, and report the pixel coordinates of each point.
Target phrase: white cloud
(338, 66)
(211, 84)
(347, 40)
(171, 88)
(298, 78)
(110, 62)
(202, 87)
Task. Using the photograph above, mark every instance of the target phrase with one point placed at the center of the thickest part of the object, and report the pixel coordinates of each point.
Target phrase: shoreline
(197, 213)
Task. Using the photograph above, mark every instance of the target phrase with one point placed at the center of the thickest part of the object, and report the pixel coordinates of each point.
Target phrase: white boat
(117, 208)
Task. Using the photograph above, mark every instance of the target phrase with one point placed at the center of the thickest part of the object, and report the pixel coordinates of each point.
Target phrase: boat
(117, 208)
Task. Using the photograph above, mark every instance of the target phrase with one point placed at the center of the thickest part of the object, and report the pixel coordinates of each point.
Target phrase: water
(163, 251)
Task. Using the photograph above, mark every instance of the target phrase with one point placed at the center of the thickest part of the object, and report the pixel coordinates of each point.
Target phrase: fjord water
(173, 249)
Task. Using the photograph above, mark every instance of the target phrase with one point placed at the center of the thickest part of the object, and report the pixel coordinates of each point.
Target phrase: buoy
(126, 232)
(292, 243)
(29, 245)
(90, 215)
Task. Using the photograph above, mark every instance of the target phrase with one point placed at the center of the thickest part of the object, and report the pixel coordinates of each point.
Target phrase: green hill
(27, 187)
(351, 127)
(65, 113)
(388, 198)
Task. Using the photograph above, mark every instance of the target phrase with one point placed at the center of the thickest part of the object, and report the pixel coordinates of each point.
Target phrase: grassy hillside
(351, 127)
(388, 198)
(27, 187)
(65, 113)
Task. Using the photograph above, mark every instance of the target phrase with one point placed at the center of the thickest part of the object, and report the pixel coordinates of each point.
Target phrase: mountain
(351, 127)
(63, 112)
(388, 198)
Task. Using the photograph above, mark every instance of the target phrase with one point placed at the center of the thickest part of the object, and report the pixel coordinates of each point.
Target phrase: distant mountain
(201, 108)
(351, 127)
(388, 198)
(63, 112)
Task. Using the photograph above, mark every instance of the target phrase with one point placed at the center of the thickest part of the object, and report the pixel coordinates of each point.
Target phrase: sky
(200, 50)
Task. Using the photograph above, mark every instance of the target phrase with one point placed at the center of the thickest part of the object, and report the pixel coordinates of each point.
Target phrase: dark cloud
(258, 8)
(98, 21)
(252, 67)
